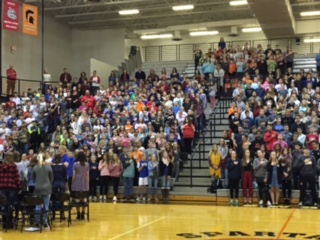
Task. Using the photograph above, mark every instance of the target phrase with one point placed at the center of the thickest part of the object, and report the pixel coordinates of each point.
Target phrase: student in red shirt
(11, 80)
(11, 104)
(188, 131)
(312, 137)
(89, 100)
(270, 138)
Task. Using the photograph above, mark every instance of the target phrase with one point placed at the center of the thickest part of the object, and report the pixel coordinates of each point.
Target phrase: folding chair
(78, 201)
(61, 203)
(28, 208)
(5, 211)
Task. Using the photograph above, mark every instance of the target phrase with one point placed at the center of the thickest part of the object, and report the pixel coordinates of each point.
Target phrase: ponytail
(40, 160)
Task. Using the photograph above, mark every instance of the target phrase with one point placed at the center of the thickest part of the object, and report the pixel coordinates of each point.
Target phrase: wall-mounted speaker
(298, 41)
(133, 50)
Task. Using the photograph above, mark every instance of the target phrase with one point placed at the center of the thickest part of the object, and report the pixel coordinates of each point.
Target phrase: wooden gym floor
(169, 222)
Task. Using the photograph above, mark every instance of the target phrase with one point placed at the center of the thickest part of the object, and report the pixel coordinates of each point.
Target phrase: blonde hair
(40, 159)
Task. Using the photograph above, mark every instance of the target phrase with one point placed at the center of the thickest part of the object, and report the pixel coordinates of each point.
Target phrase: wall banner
(30, 19)
(11, 11)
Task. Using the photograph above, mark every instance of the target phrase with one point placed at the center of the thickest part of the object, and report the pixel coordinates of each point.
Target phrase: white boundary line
(135, 229)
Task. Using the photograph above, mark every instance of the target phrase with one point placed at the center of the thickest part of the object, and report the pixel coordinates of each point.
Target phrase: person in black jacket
(274, 178)
(60, 180)
(285, 161)
(94, 177)
(234, 176)
(165, 172)
(307, 166)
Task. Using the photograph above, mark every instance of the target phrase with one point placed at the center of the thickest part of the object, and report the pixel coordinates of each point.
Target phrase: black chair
(5, 211)
(28, 208)
(81, 199)
(61, 203)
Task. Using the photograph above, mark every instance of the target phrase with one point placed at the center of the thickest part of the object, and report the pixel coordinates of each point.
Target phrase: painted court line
(135, 229)
(285, 224)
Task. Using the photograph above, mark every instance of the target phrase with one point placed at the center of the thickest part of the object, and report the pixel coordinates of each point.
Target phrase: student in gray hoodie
(43, 178)
(260, 171)
(128, 174)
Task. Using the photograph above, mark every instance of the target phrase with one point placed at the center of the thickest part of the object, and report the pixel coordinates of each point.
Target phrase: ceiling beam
(97, 4)
(159, 7)
(305, 4)
(161, 15)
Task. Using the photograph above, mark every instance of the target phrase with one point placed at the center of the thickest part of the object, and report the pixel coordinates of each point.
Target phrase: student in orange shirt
(232, 69)
(140, 105)
(137, 155)
(128, 127)
(248, 78)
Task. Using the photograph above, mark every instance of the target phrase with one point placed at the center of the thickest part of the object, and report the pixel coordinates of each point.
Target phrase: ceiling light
(129, 12)
(238, 3)
(312, 40)
(182, 7)
(311, 13)
(160, 36)
(247, 30)
(198, 29)
(203, 33)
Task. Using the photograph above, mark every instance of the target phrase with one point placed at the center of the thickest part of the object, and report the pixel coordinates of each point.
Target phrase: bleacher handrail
(18, 84)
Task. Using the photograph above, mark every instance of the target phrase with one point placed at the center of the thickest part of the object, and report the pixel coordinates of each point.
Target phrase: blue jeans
(200, 123)
(58, 187)
(46, 200)
(153, 185)
(225, 183)
(95, 90)
(128, 187)
(166, 182)
(12, 196)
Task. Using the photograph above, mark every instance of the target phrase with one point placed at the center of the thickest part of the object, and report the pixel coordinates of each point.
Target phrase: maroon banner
(11, 15)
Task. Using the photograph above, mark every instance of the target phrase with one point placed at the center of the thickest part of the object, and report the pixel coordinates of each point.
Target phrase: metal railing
(180, 52)
(211, 134)
(22, 85)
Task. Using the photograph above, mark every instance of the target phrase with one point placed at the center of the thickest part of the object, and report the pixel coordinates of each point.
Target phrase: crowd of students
(273, 137)
(108, 131)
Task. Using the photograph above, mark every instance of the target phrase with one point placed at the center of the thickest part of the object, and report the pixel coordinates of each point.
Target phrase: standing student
(247, 180)
(307, 169)
(165, 172)
(94, 177)
(153, 176)
(11, 80)
(215, 162)
(60, 180)
(10, 185)
(188, 132)
(104, 176)
(260, 171)
(234, 176)
(43, 177)
(143, 179)
(115, 169)
(286, 169)
(80, 181)
(128, 176)
(274, 178)
(31, 183)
